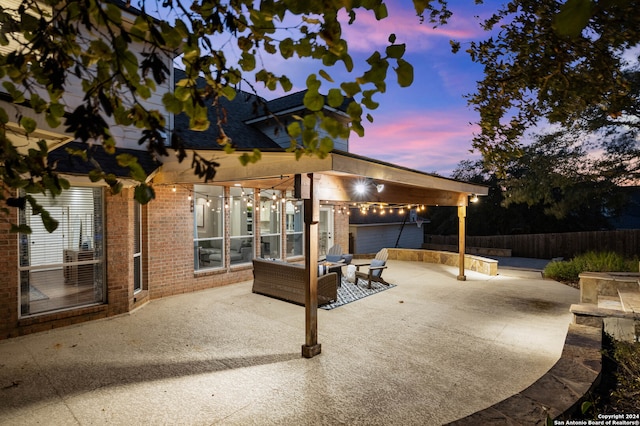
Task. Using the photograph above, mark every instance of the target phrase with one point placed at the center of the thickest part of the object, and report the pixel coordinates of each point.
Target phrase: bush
(562, 271)
(568, 271)
(625, 397)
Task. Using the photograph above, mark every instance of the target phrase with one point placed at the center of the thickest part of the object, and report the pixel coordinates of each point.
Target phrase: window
(270, 232)
(65, 268)
(294, 227)
(240, 208)
(137, 247)
(208, 215)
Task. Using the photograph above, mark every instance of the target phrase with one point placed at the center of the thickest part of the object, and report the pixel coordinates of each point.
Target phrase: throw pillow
(376, 262)
(322, 270)
(334, 258)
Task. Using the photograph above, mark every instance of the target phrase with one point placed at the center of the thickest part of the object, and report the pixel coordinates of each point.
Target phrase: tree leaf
(144, 193)
(286, 48)
(405, 73)
(573, 17)
(294, 130)
(28, 124)
(350, 88)
(335, 98)
(50, 224)
(325, 75)
(313, 100)
(396, 51)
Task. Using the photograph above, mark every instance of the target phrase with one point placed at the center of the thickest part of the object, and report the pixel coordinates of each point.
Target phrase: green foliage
(559, 62)
(569, 271)
(545, 190)
(55, 47)
(624, 398)
(563, 271)
(558, 174)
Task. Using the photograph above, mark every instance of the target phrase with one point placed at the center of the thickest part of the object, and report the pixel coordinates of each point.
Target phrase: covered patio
(339, 177)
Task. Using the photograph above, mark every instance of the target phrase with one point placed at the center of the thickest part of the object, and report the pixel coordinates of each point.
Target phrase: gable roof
(293, 103)
(234, 112)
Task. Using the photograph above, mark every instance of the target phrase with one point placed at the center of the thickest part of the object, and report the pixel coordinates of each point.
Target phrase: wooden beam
(311, 347)
(342, 188)
(462, 214)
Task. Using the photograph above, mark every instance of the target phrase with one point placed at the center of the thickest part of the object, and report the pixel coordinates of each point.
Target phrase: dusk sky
(427, 125)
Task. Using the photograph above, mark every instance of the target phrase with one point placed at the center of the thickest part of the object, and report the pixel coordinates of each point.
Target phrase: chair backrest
(382, 255)
(335, 250)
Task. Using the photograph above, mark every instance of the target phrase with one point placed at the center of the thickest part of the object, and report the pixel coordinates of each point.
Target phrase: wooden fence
(549, 246)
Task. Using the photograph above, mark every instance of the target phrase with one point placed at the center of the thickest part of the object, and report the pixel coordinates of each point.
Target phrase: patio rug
(35, 294)
(350, 292)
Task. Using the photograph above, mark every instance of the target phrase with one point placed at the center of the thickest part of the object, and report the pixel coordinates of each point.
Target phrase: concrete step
(609, 302)
(630, 300)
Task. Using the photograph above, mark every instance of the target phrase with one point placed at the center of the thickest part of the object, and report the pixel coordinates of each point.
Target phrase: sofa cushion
(236, 244)
(209, 250)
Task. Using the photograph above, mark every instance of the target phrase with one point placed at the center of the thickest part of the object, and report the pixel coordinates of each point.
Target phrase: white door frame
(325, 230)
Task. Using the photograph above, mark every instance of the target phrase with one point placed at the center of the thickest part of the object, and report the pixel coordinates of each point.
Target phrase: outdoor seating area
(286, 281)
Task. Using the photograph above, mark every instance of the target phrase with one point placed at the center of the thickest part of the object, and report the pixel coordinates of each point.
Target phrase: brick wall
(171, 250)
(168, 261)
(341, 226)
(119, 250)
(9, 281)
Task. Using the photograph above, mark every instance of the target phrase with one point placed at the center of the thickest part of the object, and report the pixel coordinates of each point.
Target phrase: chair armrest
(359, 265)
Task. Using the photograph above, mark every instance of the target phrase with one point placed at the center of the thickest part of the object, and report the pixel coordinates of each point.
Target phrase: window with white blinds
(64, 268)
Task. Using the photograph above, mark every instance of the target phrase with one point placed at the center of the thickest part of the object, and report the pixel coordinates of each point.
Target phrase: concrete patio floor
(429, 351)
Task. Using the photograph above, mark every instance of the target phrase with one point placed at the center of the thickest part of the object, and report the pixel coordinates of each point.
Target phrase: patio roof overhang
(336, 177)
(332, 178)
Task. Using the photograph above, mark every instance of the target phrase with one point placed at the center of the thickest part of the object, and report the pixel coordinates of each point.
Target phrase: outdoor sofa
(286, 281)
(211, 251)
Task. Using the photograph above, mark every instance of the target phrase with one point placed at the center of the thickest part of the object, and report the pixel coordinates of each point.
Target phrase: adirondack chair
(374, 272)
(335, 250)
(336, 255)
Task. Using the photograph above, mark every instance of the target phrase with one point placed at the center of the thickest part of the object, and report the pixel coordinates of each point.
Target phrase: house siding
(370, 239)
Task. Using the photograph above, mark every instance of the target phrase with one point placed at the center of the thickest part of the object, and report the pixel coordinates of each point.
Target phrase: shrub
(568, 271)
(562, 271)
(624, 399)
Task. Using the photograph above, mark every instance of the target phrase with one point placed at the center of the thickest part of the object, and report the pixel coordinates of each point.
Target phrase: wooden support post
(462, 214)
(311, 347)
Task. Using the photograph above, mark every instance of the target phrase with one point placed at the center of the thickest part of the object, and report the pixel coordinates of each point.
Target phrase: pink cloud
(368, 33)
(425, 141)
